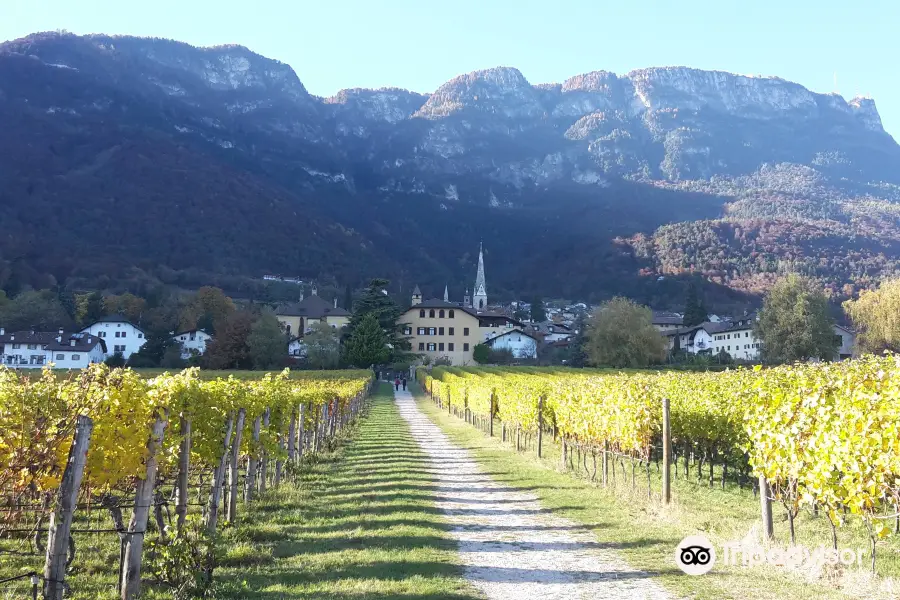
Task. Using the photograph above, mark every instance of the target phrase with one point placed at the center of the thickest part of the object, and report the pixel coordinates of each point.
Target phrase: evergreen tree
(67, 300)
(694, 310)
(375, 301)
(481, 353)
(348, 298)
(538, 312)
(367, 344)
(795, 323)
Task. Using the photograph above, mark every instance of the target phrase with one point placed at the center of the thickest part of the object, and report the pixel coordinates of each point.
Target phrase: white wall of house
(519, 343)
(847, 348)
(740, 343)
(75, 359)
(24, 356)
(297, 348)
(192, 342)
(701, 341)
(120, 336)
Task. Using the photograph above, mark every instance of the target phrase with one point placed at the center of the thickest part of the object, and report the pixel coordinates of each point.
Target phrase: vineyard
(823, 437)
(108, 441)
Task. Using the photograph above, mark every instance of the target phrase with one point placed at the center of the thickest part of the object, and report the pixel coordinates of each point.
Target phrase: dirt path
(510, 546)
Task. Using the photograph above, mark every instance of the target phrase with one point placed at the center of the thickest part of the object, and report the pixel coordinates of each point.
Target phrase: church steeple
(479, 297)
(446, 294)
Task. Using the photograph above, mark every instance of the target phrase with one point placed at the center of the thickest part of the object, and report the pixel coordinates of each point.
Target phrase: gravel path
(510, 546)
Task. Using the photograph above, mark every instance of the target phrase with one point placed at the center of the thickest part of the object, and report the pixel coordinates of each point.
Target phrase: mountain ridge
(578, 168)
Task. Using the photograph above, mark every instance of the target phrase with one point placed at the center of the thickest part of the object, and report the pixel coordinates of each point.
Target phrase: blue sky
(420, 44)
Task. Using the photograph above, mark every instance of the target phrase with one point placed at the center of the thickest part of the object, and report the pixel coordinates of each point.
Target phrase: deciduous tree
(795, 322)
(267, 342)
(323, 347)
(620, 333)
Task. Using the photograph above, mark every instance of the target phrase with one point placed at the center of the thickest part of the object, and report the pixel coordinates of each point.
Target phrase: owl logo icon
(695, 555)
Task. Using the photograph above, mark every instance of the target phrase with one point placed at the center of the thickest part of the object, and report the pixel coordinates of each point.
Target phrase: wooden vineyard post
(233, 471)
(766, 507)
(292, 437)
(300, 431)
(264, 465)
(605, 467)
(215, 491)
(253, 462)
(61, 519)
(184, 463)
(143, 497)
(667, 453)
(540, 432)
(491, 416)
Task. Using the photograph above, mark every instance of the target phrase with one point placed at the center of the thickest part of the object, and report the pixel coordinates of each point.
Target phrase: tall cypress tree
(694, 310)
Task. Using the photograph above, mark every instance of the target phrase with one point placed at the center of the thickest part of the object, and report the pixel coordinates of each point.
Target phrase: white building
(192, 342)
(36, 349)
(737, 338)
(76, 352)
(518, 342)
(119, 334)
(847, 339)
(297, 348)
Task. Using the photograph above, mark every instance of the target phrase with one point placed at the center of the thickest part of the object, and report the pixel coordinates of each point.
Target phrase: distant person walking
(403, 381)
(397, 384)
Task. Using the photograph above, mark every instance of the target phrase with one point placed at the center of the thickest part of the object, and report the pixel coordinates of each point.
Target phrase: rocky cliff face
(488, 139)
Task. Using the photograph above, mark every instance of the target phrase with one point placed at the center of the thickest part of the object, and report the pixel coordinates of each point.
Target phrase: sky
(418, 45)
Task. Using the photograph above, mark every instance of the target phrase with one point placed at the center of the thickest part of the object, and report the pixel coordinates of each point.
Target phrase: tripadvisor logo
(695, 555)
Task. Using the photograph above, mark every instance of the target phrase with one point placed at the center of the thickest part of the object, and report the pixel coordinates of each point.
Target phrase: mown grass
(648, 532)
(360, 524)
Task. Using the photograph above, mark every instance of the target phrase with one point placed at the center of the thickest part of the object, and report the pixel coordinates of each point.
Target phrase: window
(60, 357)
(441, 313)
(76, 357)
(102, 334)
(422, 314)
(431, 313)
(431, 347)
(450, 347)
(729, 347)
(193, 336)
(407, 331)
(441, 346)
(747, 334)
(141, 335)
(124, 333)
(421, 331)
(451, 313)
(119, 348)
(32, 346)
(451, 331)
(465, 347)
(729, 337)
(421, 346)
(432, 331)
(465, 331)
(117, 333)
(16, 346)
(440, 331)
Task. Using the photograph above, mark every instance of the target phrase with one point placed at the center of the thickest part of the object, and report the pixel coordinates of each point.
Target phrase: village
(439, 331)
